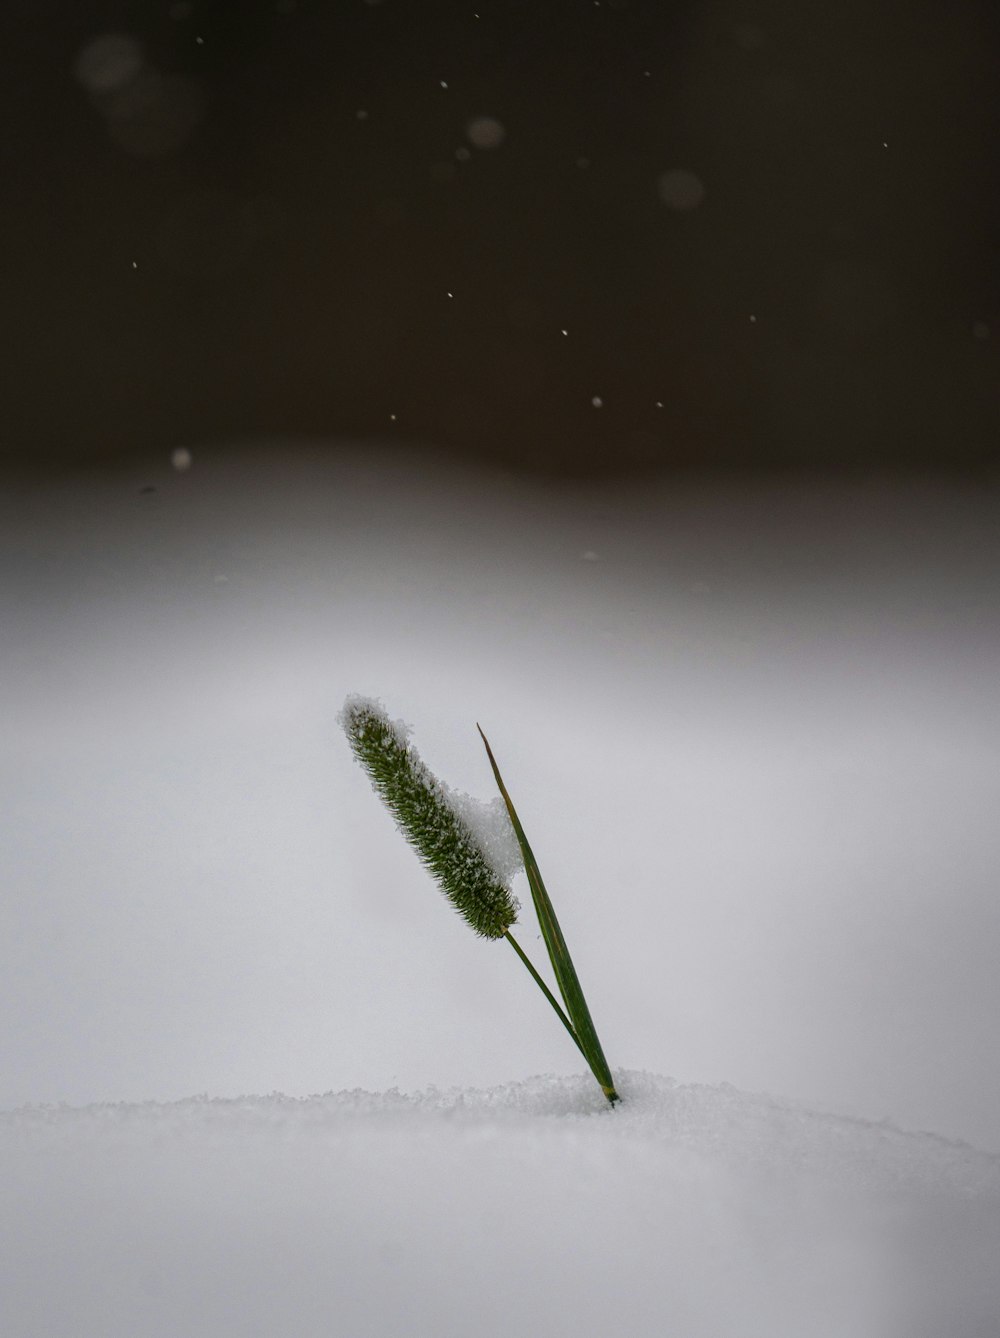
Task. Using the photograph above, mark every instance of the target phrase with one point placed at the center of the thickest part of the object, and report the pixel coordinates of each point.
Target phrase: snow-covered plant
(427, 815)
(473, 850)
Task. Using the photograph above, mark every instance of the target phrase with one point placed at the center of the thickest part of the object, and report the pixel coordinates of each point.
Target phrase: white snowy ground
(528, 1209)
(752, 732)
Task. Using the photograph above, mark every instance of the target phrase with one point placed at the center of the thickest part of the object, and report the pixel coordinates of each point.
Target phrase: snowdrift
(532, 1208)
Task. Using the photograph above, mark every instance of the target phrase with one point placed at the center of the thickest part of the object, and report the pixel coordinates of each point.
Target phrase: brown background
(256, 236)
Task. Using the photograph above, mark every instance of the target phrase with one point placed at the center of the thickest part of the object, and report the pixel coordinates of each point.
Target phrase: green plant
(471, 858)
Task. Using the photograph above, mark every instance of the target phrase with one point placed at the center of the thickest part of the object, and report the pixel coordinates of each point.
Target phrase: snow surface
(530, 1208)
(754, 748)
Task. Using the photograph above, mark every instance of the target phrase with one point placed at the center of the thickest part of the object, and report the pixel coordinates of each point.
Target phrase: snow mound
(532, 1208)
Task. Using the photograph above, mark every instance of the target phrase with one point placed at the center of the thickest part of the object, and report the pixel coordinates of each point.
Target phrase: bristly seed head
(418, 801)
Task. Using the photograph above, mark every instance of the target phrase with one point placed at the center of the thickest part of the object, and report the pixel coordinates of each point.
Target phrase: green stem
(547, 992)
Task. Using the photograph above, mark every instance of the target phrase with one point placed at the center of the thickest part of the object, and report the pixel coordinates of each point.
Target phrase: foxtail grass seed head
(469, 864)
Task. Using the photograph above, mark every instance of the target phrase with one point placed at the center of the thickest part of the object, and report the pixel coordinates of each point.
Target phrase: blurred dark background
(565, 236)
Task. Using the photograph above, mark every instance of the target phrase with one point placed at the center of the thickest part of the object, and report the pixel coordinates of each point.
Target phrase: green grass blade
(562, 963)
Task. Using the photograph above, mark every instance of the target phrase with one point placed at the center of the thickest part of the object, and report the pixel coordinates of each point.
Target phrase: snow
(358, 703)
(753, 746)
(754, 749)
(527, 1208)
(489, 823)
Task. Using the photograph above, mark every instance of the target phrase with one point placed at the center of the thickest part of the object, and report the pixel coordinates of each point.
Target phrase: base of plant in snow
(529, 1208)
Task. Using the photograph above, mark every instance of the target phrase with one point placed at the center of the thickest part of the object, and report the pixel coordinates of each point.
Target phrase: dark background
(244, 222)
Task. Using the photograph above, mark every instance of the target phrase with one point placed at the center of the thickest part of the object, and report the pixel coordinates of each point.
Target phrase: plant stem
(547, 992)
